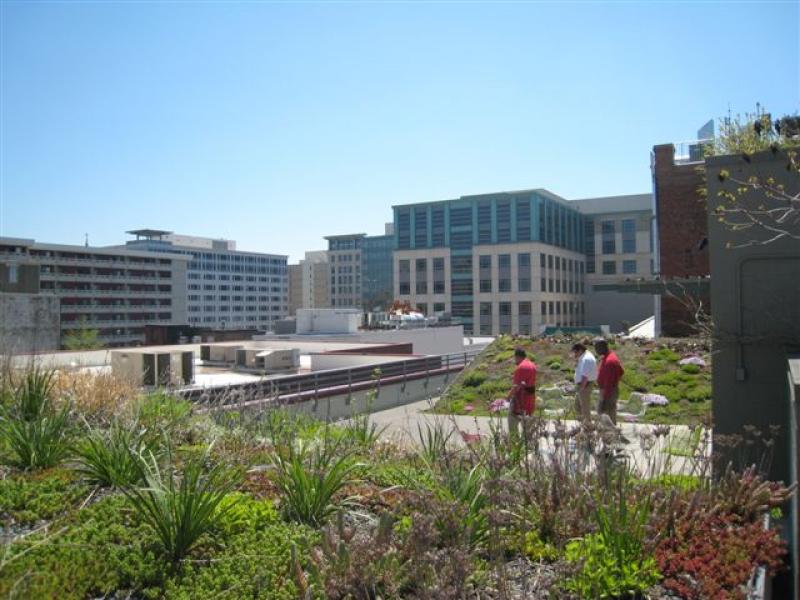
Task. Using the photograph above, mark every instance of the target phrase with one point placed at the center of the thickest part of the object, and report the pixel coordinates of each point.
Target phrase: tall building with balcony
(115, 291)
(505, 262)
(225, 287)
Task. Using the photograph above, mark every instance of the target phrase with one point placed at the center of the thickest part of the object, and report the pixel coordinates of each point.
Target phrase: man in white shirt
(585, 376)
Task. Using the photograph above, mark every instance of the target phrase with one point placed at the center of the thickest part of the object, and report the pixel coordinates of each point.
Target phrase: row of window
(226, 308)
(250, 278)
(248, 319)
(488, 222)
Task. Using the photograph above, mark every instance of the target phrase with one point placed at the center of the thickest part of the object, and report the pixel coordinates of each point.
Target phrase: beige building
(309, 282)
(514, 262)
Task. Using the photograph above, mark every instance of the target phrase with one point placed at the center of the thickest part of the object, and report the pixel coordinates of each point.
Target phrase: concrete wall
(755, 292)
(328, 320)
(612, 308)
(321, 362)
(29, 323)
(27, 278)
(388, 396)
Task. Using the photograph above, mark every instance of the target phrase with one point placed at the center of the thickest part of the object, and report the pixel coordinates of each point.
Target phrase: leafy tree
(84, 338)
(759, 203)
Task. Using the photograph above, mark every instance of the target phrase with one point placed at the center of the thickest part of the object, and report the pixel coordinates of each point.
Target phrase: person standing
(521, 397)
(585, 376)
(609, 373)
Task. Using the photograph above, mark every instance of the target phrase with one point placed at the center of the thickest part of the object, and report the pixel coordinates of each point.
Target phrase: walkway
(647, 451)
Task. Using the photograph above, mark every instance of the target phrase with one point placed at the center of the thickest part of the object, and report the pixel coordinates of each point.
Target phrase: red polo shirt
(609, 372)
(525, 376)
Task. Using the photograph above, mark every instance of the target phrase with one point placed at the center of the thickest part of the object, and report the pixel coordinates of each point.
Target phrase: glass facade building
(520, 220)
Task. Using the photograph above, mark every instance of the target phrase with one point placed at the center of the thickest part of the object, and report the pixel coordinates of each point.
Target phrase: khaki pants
(608, 404)
(514, 421)
(583, 402)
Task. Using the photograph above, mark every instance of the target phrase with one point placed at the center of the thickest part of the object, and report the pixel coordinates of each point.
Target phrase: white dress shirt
(587, 365)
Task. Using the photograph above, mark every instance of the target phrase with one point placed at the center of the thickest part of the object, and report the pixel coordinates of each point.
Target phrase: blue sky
(278, 123)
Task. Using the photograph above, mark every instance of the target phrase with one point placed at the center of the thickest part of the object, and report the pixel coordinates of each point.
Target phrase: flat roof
(614, 204)
(678, 285)
(471, 197)
(149, 232)
(107, 250)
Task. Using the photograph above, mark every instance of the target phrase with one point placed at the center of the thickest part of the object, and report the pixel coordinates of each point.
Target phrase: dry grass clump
(97, 396)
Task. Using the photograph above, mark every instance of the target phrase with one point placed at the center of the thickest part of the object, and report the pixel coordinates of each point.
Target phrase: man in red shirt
(521, 396)
(609, 372)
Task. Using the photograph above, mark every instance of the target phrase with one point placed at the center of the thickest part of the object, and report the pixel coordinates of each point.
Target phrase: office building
(376, 270)
(309, 282)
(618, 245)
(225, 287)
(115, 291)
(512, 262)
(361, 270)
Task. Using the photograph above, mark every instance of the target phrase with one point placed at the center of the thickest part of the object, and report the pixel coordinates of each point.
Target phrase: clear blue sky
(276, 124)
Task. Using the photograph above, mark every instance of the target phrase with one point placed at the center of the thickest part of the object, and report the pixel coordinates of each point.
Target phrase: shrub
(98, 397)
(601, 575)
(474, 378)
(244, 513)
(691, 369)
(664, 354)
(614, 561)
(434, 438)
(160, 411)
(113, 458)
(699, 393)
(309, 480)
(637, 381)
(181, 511)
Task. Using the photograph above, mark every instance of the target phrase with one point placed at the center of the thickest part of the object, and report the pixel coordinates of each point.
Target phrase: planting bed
(141, 497)
(650, 367)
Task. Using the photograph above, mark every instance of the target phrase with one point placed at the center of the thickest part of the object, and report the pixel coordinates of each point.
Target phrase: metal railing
(309, 386)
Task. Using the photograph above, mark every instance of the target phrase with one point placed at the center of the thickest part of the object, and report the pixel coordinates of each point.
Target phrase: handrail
(324, 382)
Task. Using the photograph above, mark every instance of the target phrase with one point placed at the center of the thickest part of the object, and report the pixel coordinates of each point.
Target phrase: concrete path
(646, 451)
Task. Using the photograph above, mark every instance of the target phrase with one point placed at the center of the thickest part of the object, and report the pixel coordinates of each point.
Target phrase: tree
(84, 338)
(759, 203)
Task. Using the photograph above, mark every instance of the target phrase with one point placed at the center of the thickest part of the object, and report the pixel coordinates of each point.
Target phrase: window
(423, 308)
(484, 223)
(629, 236)
(629, 266)
(609, 267)
(505, 317)
(461, 287)
(422, 275)
(608, 232)
(523, 220)
(485, 326)
(404, 268)
(437, 227)
(438, 307)
(13, 273)
(503, 222)
(420, 228)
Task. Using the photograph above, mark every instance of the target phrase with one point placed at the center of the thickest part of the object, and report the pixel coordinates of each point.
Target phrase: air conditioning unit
(155, 369)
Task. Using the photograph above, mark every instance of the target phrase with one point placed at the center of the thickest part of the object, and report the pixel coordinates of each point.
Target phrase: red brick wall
(682, 229)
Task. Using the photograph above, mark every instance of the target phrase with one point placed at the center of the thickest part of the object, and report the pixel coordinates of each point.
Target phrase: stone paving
(646, 451)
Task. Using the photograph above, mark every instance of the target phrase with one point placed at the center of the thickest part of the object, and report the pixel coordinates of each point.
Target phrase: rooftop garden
(651, 367)
(124, 495)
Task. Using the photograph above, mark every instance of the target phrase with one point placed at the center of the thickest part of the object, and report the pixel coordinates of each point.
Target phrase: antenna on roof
(86, 239)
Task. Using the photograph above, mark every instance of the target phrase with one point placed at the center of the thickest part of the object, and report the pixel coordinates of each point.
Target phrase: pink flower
(469, 408)
(498, 405)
